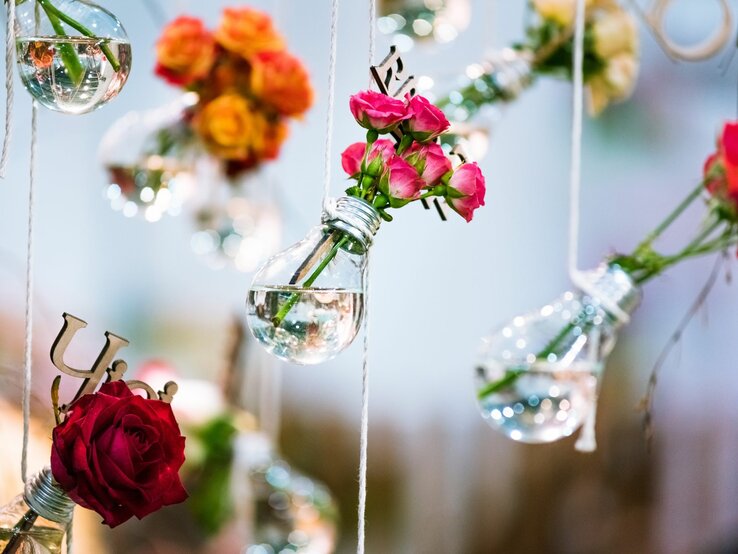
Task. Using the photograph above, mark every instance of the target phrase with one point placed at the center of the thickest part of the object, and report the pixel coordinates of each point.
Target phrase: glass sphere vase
(73, 55)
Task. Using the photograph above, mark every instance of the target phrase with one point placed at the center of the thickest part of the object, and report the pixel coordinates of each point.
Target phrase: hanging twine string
(331, 104)
(587, 441)
(9, 92)
(28, 346)
(575, 176)
(364, 440)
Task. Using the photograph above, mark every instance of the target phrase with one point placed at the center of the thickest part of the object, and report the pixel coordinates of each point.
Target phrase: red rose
(119, 454)
(721, 168)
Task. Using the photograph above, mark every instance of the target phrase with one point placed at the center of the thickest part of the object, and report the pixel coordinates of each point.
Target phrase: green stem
(295, 296)
(50, 9)
(69, 56)
(656, 233)
(405, 143)
(512, 375)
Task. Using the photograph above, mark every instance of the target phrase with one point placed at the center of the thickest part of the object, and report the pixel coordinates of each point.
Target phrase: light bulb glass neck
(613, 288)
(44, 496)
(511, 70)
(355, 217)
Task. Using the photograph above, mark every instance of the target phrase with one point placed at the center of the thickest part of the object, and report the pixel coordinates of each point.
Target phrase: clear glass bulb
(73, 56)
(306, 304)
(35, 522)
(238, 221)
(537, 376)
(151, 158)
(423, 21)
(287, 512)
(473, 101)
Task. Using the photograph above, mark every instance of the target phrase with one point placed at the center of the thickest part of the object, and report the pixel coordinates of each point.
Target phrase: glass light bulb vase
(306, 304)
(150, 158)
(73, 55)
(285, 511)
(472, 101)
(411, 22)
(36, 521)
(537, 376)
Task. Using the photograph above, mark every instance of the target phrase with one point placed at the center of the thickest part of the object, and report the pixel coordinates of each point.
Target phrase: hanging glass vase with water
(73, 55)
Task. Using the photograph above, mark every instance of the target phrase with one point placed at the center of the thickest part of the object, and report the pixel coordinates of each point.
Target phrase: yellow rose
(614, 33)
(228, 127)
(248, 32)
(562, 12)
(614, 84)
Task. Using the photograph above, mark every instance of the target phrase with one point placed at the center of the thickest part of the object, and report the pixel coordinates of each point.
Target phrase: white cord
(372, 32)
(575, 181)
(28, 347)
(9, 93)
(331, 103)
(364, 441)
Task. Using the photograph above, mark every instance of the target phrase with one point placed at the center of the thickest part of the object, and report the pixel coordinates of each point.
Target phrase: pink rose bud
(376, 111)
(352, 157)
(401, 182)
(466, 190)
(426, 121)
(430, 161)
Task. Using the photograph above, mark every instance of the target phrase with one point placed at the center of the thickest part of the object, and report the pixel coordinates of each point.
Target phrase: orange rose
(229, 127)
(185, 51)
(281, 80)
(274, 136)
(248, 32)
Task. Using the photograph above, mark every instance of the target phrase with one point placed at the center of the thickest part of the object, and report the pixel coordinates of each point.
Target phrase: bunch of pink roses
(390, 175)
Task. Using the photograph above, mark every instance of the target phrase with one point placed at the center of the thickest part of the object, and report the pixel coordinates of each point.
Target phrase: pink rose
(400, 182)
(466, 190)
(430, 161)
(352, 157)
(426, 121)
(376, 111)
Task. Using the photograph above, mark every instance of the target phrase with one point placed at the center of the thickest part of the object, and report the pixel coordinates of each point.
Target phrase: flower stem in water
(295, 296)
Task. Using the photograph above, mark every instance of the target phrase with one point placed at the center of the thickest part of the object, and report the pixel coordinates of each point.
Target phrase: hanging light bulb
(73, 55)
(306, 304)
(151, 159)
(423, 21)
(537, 376)
(473, 101)
(285, 510)
(238, 221)
(36, 521)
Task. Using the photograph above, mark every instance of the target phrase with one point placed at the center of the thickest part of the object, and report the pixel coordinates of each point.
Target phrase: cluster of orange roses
(248, 84)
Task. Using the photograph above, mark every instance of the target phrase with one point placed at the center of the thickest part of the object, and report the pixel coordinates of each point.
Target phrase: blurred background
(440, 480)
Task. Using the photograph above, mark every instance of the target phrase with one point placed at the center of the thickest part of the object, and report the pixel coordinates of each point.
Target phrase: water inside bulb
(544, 403)
(304, 325)
(73, 74)
(39, 540)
